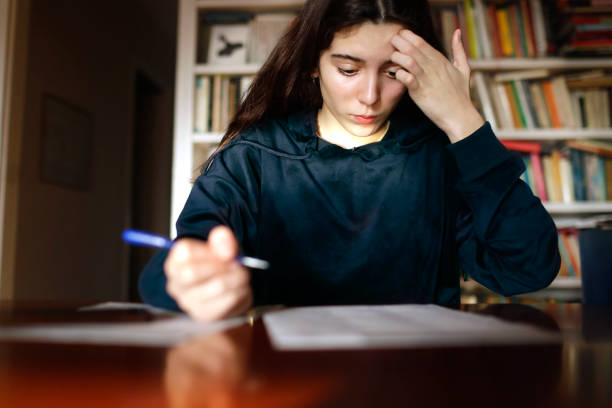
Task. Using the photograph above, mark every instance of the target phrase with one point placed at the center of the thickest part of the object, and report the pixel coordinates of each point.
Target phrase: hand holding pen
(207, 278)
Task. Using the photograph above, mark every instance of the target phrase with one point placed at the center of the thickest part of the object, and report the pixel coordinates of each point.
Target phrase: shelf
(579, 207)
(203, 138)
(502, 64)
(554, 63)
(240, 69)
(554, 134)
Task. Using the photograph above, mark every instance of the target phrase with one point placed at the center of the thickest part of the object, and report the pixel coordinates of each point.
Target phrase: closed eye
(347, 72)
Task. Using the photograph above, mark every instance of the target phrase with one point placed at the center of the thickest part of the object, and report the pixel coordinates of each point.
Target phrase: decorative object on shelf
(228, 44)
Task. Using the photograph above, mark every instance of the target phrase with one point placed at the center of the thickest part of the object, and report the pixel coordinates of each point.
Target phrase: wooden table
(239, 368)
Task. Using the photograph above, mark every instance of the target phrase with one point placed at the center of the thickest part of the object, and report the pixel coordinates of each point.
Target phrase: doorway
(151, 167)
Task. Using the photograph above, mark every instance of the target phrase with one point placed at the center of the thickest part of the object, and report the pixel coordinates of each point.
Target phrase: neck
(330, 130)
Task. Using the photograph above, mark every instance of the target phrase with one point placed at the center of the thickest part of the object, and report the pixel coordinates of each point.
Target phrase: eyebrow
(358, 60)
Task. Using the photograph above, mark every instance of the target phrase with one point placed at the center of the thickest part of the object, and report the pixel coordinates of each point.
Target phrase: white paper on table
(118, 306)
(156, 333)
(360, 327)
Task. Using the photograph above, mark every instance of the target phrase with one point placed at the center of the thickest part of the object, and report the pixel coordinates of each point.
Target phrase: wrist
(464, 125)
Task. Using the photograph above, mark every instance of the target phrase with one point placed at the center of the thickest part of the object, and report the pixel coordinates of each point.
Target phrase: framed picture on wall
(67, 144)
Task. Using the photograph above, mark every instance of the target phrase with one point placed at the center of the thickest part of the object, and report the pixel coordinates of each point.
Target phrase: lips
(364, 120)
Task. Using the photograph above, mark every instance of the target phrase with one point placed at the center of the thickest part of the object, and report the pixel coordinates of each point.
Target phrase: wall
(88, 53)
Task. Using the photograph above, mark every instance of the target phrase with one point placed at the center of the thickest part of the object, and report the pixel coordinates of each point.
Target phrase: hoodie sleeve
(226, 193)
(506, 239)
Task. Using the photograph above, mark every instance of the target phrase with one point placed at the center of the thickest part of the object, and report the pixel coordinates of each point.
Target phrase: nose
(369, 90)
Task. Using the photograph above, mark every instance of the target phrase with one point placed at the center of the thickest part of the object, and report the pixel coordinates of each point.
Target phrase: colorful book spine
(577, 162)
(505, 35)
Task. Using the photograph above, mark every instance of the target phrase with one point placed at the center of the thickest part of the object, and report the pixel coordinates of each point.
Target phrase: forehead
(365, 41)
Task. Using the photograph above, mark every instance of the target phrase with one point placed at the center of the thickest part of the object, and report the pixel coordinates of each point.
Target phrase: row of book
(531, 99)
(581, 170)
(498, 29)
(239, 37)
(585, 27)
(216, 100)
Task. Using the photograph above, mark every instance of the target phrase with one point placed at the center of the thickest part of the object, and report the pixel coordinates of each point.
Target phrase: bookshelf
(191, 147)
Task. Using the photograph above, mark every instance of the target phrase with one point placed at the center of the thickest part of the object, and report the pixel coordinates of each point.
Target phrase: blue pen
(143, 238)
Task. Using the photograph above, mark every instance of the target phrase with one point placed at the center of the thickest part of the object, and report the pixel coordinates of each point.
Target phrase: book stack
(531, 99)
(579, 170)
(585, 27)
(495, 30)
(216, 100)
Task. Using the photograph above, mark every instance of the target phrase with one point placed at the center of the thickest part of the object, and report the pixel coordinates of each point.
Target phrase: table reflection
(209, 370)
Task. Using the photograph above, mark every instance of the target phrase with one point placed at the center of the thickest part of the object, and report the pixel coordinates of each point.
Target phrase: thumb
(223, 243)
(460, 60)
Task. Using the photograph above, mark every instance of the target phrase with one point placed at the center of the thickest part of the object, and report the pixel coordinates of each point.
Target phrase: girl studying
(358, 167)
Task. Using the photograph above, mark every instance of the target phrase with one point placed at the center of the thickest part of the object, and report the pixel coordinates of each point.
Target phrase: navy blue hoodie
(389, 222)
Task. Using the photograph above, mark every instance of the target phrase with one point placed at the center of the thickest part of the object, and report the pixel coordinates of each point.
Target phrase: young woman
(360, 169)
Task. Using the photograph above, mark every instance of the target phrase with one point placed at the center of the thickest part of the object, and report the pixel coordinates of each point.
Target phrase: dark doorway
(151, 163)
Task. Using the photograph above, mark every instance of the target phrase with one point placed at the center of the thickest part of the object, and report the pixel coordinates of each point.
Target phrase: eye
(391, 74)
(347, 72)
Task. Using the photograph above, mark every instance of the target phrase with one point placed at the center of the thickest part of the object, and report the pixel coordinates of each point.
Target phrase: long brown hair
(284, 85)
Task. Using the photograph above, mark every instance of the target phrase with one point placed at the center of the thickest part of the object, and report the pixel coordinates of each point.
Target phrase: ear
(315, 74)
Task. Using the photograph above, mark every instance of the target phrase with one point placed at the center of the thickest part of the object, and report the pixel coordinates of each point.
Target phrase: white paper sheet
(112, 306)
(358, 327)
(157, 333)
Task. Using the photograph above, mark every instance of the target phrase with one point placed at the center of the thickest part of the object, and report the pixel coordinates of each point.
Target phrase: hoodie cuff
(478, 153)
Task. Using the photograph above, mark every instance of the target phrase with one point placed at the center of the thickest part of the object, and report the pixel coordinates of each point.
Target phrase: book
(539, 28)
(511, 96)
(608, 177)
(576, 158)
(470, 24)
(482, 29)
(597, 147)
(491, 22)
(567, 179)
(549, 179)
(595, 177)
(525, 103)
(502, 105)
(551, 104)
(528, 28)
(533, 149)
(522, 74)
(567, 267)
(216, 104)
(485, 100)
(539, 102)
(564, 104)
(557, 184)
(519, 27)
(505, 35)
(515, 30)
(574, 250)
(202, 104)
(449, 22)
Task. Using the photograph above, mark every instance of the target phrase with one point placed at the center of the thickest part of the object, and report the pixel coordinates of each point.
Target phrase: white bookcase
(187, 69)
